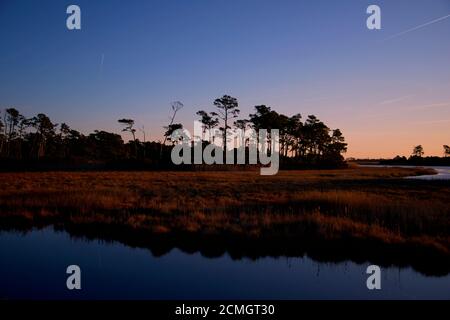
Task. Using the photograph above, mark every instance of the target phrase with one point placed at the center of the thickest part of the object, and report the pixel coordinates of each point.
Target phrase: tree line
(418, 151)
(308, 142)
(417, 158)
(39, 140)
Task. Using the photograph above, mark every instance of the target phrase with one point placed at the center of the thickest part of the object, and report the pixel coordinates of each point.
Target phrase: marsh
(355, 213)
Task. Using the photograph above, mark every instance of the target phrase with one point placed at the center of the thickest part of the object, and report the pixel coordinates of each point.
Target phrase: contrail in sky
(418, 27)
(101, 63)
(396, 99)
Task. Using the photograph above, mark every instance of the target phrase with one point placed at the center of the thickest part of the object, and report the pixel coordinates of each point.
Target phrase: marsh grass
(369, 204)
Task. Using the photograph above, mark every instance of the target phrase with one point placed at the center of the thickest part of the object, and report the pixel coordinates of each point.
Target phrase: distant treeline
(37, 142)
(417, 158)
(417, 161)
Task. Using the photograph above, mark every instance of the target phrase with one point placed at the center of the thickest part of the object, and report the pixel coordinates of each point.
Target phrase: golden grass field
(373, 204)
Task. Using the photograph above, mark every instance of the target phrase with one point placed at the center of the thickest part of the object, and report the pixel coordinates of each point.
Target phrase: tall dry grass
(366, 203)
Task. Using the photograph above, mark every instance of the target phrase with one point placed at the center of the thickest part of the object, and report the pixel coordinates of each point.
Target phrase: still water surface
(33, 265)
(443, 173)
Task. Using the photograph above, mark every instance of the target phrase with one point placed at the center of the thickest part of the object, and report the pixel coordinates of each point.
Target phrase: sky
(387, 90)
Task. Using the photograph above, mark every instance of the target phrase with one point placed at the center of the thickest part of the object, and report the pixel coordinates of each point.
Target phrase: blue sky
(132, 58)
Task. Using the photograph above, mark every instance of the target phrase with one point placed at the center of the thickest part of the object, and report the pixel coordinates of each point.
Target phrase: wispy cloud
(394, 100)
(417, 27)
(434, 105)
(441, 121)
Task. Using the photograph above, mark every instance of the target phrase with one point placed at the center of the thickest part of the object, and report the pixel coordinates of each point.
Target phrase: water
(443, 173)
(33, 265)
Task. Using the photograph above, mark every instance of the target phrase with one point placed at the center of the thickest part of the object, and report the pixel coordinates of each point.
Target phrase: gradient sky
(132, 58)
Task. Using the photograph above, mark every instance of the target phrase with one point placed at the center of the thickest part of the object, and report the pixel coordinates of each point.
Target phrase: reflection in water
(32, 265)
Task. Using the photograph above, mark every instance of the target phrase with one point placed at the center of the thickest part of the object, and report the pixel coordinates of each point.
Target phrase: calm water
(33, 265)
(443, 173)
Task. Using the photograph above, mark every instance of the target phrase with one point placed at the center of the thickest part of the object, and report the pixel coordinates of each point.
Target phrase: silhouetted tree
(227, 109)
(105, 146)
(64, 131)
(418, 151)
(294, 137)
(264, 118)
(310, 142)
(446, 151)
(242, 124)
(175, 106)
(337, 146)
(45, 131)
(11, 121)
(142, 129)
(16, 143)
(2, 136)
(209, 122)
(12, 118)
(170, 130)
(129, 127)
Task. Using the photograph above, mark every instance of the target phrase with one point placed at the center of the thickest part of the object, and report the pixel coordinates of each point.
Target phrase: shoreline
(357, 214)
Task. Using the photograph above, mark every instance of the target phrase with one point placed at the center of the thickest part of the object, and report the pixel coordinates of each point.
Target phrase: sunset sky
(387, 90)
